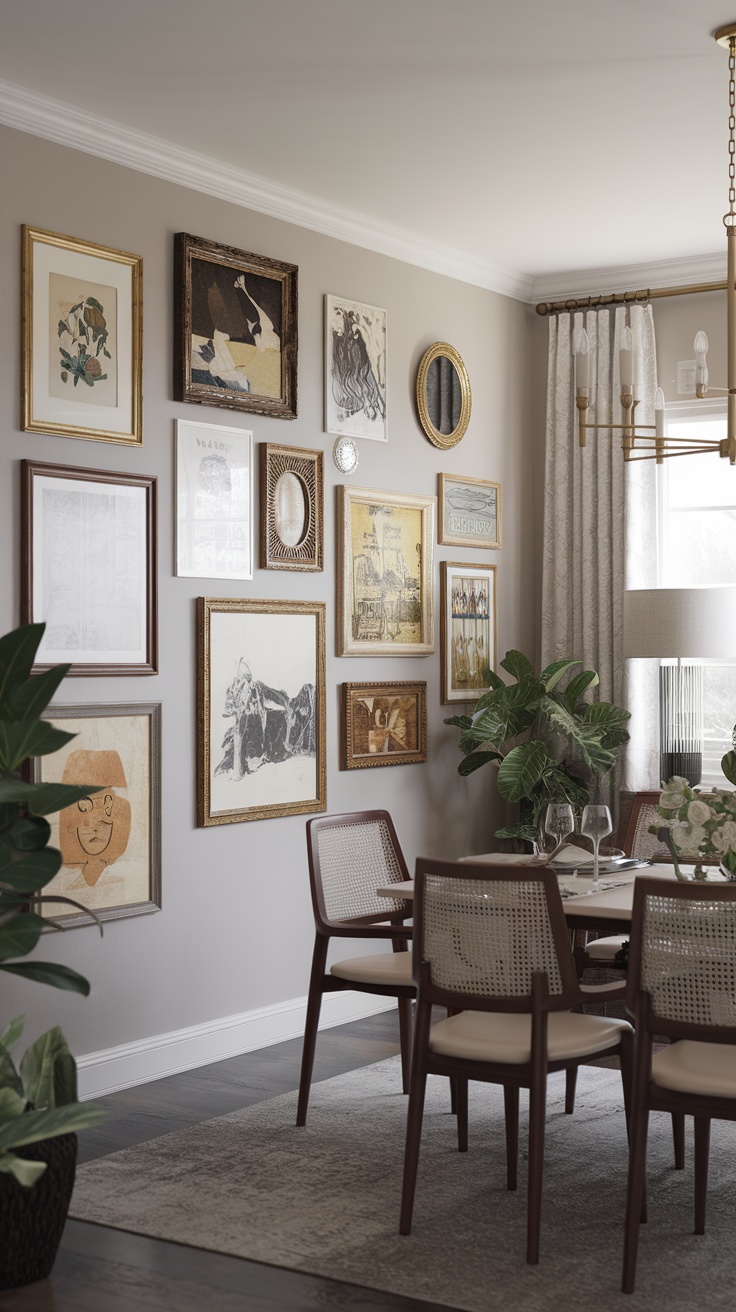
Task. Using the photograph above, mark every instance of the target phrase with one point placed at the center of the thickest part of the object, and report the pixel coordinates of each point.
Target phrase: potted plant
(39, 1111)
(550, 744)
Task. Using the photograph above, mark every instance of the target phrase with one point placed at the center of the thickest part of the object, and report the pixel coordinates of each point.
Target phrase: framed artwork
(82, 339)
(467, 630)
(383, 724)
(235, 328)
(469, 511)
(355, 369)
(214, 501)
(292, 507)
(110, 842)
(260, 709)
(384, 573)
(89, 567)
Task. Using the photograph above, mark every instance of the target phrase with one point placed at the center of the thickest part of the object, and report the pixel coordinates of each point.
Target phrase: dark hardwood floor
(104, 1270)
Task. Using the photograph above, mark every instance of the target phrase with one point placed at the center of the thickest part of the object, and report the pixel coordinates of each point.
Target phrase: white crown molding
(628, 278)
(62, 123)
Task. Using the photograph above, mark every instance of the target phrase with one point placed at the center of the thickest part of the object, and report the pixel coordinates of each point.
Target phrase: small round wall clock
(345, 455)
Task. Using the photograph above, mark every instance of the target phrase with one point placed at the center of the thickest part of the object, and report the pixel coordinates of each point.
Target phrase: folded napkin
(570, 855)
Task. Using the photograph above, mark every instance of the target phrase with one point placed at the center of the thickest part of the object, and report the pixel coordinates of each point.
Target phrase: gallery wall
(235, 934)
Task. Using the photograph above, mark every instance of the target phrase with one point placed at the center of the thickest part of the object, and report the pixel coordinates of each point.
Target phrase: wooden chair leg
(461, 1099)
(405, 1040)
(537, 1115)
(702, 1153)
(453, 1097)
(634, 1195)
(571, 1079)
(415, 1115)
(511, 1109)
(314, 1003)
(678, 1136)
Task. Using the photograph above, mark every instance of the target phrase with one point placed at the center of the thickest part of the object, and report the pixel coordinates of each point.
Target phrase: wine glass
(596, 824)
(559, 822)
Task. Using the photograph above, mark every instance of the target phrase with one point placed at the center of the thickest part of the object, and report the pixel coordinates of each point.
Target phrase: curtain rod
(626, 298)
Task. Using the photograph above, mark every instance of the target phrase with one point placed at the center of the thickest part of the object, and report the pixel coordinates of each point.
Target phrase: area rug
(325, 1199)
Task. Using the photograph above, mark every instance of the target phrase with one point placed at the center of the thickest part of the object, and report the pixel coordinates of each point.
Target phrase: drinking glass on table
(559, 821)
(596, 824)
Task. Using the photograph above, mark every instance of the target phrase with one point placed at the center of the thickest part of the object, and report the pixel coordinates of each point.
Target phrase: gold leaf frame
(308, 467)
(449, 695)
(443, 440)
(352, 758)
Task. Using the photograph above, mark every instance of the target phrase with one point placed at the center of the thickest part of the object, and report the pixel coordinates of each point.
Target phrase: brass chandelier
(650, 441)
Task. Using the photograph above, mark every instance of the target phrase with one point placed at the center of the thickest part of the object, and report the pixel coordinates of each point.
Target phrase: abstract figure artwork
(355, 369)
(383, 724)
(95, 832)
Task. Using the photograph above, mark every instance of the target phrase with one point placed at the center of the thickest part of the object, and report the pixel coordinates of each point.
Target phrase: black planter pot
(32, 1220)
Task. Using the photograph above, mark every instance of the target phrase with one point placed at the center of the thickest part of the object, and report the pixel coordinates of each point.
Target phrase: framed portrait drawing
(82, 339)
(214, 501)
(355, 369)
(383, 724)
(292, 509)
(235, 328)
(110, 842)
(469, 511)
(260, 709)
(384, 573)
(89, 567)
(467, 630)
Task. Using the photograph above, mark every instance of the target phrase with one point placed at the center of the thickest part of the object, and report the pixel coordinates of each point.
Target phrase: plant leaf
(555, 672)
(31, 698)
(12, 1104)
(17, 654)
(19, 936)
(9, 1078)
(517, 664)
(474, 761)
(577, 686)
(22, 738)
(49, 972)
(26, 1173)
(49, 1072)
(44, 799)
(522, 769)
(34, 1126)
(28, 872)
(30, 833)
(12, 1032)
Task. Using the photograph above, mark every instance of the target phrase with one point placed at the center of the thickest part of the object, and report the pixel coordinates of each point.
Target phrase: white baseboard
(199, 1045)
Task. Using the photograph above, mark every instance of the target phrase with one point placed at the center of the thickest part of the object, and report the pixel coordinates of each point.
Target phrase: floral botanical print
(82, 325)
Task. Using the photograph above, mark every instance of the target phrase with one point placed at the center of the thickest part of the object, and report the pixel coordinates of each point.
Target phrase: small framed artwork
(355, 369)
(235, 328)
(214, 501)
(383, 724)
(384, 573)
(260, 709)
(82, 339)
(469, 511)
(292, 513)
(110, 842)
(467, 630)
(89, 567)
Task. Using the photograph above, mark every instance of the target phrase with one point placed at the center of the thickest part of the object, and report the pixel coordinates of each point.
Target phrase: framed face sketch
(82, 339)
(384, 573)
(110, 842)
(291, 507)
(214, 501)
(383, 724)
(467, 630)
(235, 328)
(89, 567)
(469, 511)
(260, 709)
(355, 369)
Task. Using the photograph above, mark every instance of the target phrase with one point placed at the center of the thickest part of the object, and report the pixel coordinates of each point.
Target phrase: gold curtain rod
(626, 298)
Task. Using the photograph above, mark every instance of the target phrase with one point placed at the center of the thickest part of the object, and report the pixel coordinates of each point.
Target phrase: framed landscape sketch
(383, 724)
(214, 501)
(260, 709)
(355, 369)
(467, 630)
(292, 507)
(235, 328)
(469, 511)
(82, 339)
(89, 567)
(384, 573)
(110, 842)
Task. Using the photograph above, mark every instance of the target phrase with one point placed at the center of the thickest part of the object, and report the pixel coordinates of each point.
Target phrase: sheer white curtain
(600, 522)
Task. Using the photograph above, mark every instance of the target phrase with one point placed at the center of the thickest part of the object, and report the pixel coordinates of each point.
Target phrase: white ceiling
(530, 143)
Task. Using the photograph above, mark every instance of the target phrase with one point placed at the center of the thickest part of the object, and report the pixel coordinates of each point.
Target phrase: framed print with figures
(467, 629)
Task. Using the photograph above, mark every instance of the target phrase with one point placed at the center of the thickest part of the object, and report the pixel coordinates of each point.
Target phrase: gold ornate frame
(451, 695)
(445, 536)
(355, 754)
(443, 440)
(308, 467)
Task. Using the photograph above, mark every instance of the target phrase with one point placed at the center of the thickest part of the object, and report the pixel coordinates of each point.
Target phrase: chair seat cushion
(507, 1036)
(689, 1067)
(605, 949)
(380, 968)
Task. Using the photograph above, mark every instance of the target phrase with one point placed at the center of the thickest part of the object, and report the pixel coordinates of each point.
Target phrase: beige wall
(236, 931)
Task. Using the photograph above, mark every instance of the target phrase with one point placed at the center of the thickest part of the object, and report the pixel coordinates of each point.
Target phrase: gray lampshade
(666, 623)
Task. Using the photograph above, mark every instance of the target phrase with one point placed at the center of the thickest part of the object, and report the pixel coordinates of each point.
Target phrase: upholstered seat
(692, 1067)
(507, 1036)
(383, 968)
(605, 949)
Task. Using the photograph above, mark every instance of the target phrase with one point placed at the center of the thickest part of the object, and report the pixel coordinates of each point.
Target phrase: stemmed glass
(559, 822)
(596, 824)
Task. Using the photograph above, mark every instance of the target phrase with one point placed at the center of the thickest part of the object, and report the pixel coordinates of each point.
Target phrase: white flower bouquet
(702, 826)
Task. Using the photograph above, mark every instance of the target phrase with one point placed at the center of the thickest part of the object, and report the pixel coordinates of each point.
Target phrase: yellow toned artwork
(386, 544)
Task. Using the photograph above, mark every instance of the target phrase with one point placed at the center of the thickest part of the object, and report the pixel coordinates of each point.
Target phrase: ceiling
(530, 145)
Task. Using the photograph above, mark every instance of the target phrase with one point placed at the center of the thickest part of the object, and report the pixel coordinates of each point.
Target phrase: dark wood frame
(99, 710)
(187, 248)
(308, 466)
(351, 693)
(445, 629)
(33, 468)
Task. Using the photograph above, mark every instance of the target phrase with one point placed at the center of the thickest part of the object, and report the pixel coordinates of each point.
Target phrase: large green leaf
(32, 697)
(12, 1032)
(49, 972)
(585, 737)
(473, 762)
(517, 664)
(30, 833)
(728, 766)
(577, 686)
(20, 936)
(20, 739)
(27, 872)
(605, 715)
(31, 1127)
(521, 770)
(17, 654)
(12, 1104)
(555, 672)
(25, 1172)
(9, 1078)
(45, 799)
(49, 1072)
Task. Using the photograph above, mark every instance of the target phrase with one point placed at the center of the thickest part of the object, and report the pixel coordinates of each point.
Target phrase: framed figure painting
(110, 841)
(467, 629)
(355, 369)
(260, 709)
(214, 501)
(82, 339)
(383, 724)
(469, 511)
(235, 328)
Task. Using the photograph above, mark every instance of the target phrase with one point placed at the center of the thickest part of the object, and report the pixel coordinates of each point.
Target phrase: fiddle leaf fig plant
(550, 744)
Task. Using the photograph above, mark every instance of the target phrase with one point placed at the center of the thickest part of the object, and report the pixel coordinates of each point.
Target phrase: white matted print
(214, 500)
(355, 369)
(468, 629)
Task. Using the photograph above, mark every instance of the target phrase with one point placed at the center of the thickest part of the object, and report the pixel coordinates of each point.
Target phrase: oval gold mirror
(443, 395)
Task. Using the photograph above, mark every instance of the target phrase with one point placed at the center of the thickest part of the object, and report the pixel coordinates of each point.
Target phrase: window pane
(706, 480)
(719, 704)
(699, 548)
